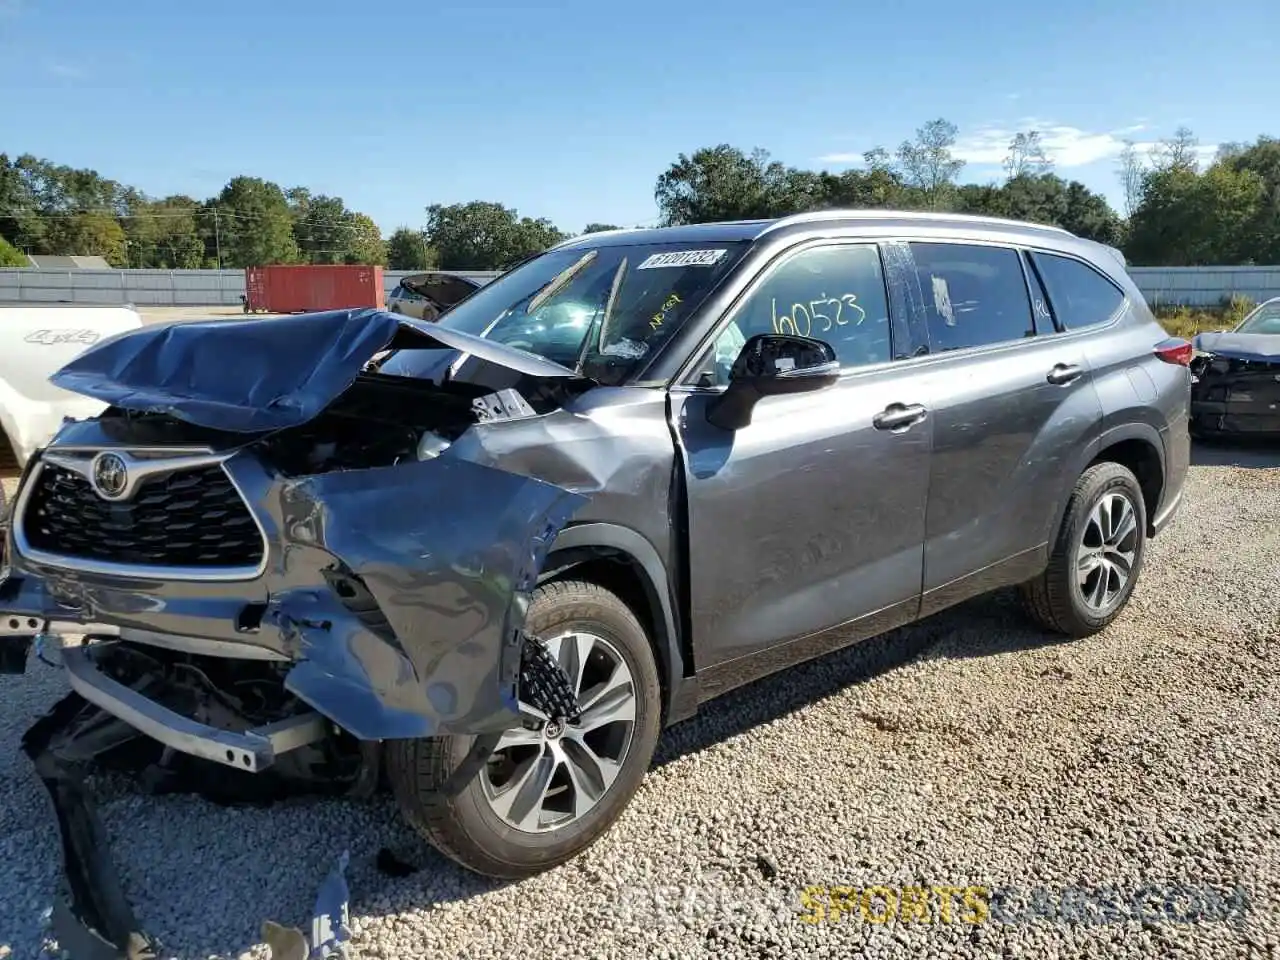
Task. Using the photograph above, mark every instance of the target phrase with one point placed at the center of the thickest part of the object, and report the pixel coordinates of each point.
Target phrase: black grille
(195, 518)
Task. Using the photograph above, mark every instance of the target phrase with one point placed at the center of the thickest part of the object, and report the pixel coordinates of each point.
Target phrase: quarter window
(833, 293)
(974, 295)
(1081, 296)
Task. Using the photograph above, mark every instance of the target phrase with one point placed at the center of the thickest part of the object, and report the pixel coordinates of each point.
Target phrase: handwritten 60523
(818, 316)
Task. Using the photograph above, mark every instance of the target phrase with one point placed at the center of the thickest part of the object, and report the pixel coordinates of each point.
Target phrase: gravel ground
(969, 750)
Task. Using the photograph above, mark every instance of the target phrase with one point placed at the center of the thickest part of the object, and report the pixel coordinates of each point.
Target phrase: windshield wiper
(559, 282)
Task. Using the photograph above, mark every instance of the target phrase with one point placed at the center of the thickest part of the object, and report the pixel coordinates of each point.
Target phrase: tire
(1056, 599)
(464, 823)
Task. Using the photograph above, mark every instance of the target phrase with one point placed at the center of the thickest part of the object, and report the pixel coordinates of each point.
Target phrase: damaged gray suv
(491, 557)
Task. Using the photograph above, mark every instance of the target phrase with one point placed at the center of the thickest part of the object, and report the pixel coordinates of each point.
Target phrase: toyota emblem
(110, 476)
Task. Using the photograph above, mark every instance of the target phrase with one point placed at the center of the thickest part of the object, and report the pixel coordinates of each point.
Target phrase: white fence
(1193, 286)
(144, 288)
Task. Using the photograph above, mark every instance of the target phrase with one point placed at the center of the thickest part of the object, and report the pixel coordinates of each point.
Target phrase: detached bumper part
(254, 750)
(92, 919)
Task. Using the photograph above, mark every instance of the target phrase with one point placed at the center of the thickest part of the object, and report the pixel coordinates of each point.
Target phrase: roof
(730, 230)
(42, 262)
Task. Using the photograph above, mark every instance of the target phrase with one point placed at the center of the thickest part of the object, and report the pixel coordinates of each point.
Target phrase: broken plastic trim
(92, 919)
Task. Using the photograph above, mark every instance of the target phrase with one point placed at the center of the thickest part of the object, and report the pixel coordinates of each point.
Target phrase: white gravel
(969, 750)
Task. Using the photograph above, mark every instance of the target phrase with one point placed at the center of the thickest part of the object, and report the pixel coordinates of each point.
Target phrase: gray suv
(495, 555)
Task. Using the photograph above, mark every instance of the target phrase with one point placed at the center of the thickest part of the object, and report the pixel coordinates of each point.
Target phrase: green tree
(928, 164)
(1089, 215)
(1263, 159)
(364, 241)
(723, 183)
(87, 235)
(254, 223)
(482, 235)
(407, 249)
(599, 227)
(163, 234)
(320, 227)
(11, 256)
(19, 212)
(1186, 218)
(1026, 156)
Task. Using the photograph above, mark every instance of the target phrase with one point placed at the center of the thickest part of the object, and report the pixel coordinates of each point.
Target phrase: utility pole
(217, 237)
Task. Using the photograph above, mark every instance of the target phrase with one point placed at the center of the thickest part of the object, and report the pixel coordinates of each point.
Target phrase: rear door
(809, 522)
(1011, 401)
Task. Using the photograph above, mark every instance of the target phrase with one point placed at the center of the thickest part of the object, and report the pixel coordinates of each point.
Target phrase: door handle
(1065, 373)
(898, 416)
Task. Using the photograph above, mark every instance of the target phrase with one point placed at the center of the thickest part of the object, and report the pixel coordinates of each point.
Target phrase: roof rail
(882, 214)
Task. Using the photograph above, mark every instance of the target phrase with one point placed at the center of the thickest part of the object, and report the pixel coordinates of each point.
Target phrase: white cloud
(1065, 145)
(67, 71)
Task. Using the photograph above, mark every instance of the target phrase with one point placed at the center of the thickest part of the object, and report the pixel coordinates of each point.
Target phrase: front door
(812, 517)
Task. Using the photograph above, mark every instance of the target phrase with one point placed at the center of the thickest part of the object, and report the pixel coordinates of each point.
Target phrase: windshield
(601, 310)
(1265, 319)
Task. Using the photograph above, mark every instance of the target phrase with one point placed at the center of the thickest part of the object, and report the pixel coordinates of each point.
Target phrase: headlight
(431, 445)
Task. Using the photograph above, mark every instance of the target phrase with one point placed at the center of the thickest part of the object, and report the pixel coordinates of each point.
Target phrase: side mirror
(771, 364)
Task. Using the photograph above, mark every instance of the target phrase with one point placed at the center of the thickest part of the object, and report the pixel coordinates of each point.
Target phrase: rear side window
(974, 295)
(1080, 296)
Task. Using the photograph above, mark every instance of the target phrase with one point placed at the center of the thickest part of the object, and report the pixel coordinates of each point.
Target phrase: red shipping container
(288, 288)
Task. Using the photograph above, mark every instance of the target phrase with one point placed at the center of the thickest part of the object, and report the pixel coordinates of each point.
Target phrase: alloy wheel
(550, 772)
(1107, 552)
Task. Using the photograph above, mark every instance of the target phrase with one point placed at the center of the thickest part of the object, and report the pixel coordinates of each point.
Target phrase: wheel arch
(620, 559)
(1138, 447)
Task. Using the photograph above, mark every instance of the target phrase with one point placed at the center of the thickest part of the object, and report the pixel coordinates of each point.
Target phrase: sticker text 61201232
(818, 316)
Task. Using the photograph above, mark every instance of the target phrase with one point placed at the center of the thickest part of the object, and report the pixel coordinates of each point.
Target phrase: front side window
(974, 295)
(833, 293)
(1081, 297)
(606, 310)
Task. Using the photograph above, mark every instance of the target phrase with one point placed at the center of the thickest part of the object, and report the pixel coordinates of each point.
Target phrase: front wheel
(1097, 557)
(550, 788)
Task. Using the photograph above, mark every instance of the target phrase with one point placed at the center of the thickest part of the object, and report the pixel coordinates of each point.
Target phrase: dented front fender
(449, 551)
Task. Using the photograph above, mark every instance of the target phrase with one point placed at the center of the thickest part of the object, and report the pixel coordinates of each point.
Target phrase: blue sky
(572, 111)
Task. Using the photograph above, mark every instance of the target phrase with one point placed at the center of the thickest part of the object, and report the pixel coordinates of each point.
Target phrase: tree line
(1177, 211)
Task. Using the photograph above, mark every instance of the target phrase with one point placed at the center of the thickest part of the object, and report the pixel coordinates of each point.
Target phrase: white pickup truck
(35, 342)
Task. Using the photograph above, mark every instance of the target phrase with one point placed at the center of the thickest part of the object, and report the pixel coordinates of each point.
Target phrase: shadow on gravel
(1250, 454)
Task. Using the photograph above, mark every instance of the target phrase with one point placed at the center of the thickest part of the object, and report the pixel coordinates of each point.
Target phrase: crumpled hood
(1241, 346)
(250, 376)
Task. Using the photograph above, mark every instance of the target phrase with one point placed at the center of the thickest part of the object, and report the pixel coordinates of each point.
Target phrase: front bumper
(397, 594)
(1225, 419)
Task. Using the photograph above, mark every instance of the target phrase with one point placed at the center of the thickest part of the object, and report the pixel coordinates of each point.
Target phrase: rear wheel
(1097, 557)
(548, 789)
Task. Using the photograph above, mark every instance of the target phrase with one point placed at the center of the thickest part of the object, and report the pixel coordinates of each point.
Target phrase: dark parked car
(1236, 377)
(635, 472)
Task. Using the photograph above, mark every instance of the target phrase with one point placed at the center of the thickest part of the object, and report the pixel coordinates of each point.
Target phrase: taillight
(1175, 350)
